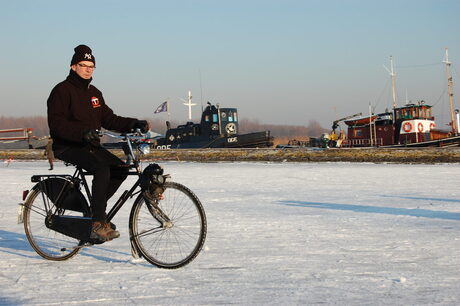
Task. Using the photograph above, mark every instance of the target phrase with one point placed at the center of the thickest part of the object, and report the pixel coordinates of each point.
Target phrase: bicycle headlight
(144, 148)
(160, 179)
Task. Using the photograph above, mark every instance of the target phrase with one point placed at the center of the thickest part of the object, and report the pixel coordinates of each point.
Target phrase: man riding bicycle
(76, 110)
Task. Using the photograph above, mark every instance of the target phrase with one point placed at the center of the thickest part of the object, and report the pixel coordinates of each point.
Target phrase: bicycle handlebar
(131, 136)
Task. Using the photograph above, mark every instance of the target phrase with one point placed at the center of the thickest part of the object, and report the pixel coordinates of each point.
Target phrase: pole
(458, 117)
(201, 93)
(219, 121)
(393, 76)
(450, 93)
(167, 107)
(370, 124)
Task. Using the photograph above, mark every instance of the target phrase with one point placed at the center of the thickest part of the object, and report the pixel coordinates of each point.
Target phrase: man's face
(84, 69)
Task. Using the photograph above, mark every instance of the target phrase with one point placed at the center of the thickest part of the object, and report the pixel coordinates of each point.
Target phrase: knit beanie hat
(82, 53)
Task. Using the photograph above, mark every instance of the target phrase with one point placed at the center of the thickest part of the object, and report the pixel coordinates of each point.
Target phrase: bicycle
(167, 222)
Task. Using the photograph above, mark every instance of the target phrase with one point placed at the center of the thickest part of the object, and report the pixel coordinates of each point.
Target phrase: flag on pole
(162, 108)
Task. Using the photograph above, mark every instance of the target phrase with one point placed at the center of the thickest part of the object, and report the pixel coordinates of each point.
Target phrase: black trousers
(107, 170)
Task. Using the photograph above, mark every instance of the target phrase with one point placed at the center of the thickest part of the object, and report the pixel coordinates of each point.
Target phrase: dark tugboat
(218, 129)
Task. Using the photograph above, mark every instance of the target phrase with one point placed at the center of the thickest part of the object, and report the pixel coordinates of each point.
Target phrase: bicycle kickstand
(134, 251)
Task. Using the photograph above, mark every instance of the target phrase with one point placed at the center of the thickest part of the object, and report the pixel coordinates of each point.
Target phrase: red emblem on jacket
(95, 102)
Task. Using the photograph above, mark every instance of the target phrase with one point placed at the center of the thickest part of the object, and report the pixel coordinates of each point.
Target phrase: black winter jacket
(75, 106)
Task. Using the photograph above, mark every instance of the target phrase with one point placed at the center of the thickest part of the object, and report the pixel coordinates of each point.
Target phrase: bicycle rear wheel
(178, 241)
(46, 242)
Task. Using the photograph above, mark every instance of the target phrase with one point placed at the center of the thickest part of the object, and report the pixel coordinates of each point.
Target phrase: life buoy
(420, 127)
(432, 125)
(407, 127)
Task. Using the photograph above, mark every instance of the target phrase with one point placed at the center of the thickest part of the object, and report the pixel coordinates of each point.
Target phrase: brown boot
(103, 231)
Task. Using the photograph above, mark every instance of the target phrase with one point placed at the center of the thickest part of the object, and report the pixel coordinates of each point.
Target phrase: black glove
(91, 136)
(142, 125)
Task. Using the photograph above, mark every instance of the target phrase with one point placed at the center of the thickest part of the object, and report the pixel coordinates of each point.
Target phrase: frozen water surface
(293, 233)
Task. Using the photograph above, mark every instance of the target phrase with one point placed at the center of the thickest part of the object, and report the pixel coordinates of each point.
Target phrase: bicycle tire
(175, 246)
(48, 243)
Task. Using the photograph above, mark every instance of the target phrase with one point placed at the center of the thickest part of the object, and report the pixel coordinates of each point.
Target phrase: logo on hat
(95, 102)
(88, 56)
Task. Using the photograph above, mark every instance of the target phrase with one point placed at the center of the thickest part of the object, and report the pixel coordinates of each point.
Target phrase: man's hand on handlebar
(142, 125)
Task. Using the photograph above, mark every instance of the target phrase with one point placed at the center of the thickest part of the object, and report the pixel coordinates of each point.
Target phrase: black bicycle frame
(79, 173)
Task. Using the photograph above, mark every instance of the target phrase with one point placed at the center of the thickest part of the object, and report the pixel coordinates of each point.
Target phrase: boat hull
(250, 140)
(444, 142)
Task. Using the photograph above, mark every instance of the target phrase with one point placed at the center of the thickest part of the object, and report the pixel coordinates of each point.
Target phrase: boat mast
(393, 76)
(453, 122)
(189, 104)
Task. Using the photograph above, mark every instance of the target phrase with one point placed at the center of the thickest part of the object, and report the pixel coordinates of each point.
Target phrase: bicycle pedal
(93, 241)
(86, 244)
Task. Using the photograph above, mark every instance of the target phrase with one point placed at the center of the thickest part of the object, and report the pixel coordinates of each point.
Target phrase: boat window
(235, 116)
(215, 118)
(206, 118)
(408, 115)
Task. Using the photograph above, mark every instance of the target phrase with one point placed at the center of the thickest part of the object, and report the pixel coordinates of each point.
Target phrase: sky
(298, 234)
(278, 62)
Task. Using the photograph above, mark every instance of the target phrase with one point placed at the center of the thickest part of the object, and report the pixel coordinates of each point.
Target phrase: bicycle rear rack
(37, 178)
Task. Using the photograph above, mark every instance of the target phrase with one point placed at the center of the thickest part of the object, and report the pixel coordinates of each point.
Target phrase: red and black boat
(411, 125)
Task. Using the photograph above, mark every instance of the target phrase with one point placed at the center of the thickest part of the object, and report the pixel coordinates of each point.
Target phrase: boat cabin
(219, 121)
(413, 111)
(413, 123)
(375, 130)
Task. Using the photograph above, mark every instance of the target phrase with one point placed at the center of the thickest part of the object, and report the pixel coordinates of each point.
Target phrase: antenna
(201, 92)
(167, 107)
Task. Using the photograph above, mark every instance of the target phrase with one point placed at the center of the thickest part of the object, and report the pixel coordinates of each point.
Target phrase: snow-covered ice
(291, 233)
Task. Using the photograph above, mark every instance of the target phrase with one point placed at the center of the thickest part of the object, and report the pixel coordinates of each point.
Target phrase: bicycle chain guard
(75, 227)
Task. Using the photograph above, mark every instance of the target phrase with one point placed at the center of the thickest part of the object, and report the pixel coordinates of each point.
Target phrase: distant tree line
(313, 129)
(39, 124)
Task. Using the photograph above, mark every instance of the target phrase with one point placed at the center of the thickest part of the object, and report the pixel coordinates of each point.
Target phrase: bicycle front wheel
(46, 242)
(171, 232)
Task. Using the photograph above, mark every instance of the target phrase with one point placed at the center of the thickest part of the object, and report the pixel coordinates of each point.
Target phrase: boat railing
(365, 142)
